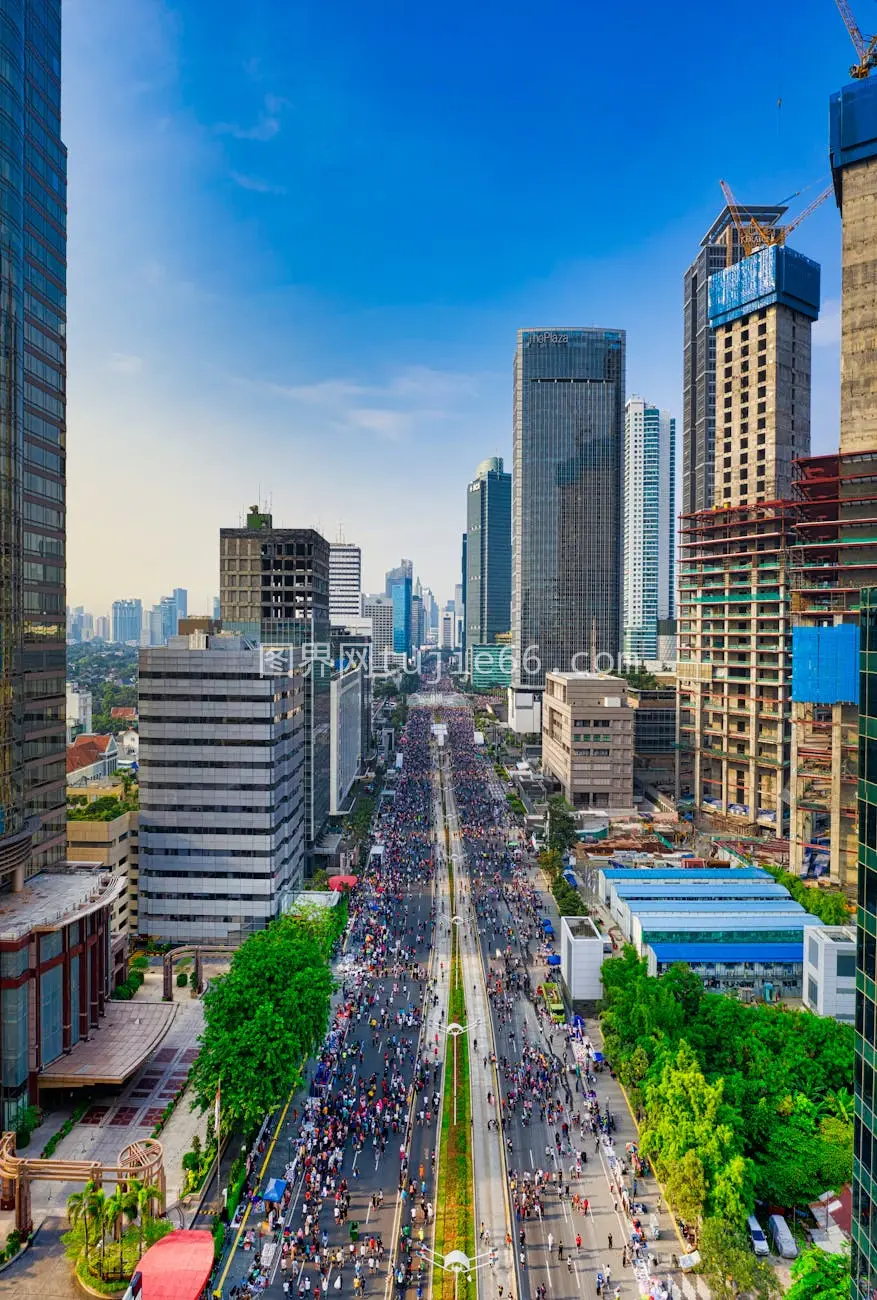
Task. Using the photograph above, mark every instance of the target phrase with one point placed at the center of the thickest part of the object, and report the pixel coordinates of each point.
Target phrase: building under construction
(734, 662)
(836, 551)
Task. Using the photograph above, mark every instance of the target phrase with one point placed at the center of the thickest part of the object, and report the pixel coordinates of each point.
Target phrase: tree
(817, 1275)
(78, 1210)
(561, 825)
(729, 1265)
(686, 1187)
(265, 1017)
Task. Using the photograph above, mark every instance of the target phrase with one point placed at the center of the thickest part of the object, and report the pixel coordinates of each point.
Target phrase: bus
(553, 1002)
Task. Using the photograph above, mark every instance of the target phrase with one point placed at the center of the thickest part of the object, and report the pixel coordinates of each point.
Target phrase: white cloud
(266, 126)
(826, 331)
(125, 363)
(415, 397)
(256, 184)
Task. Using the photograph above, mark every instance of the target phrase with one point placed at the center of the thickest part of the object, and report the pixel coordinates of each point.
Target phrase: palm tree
(146, 1196)
(840, 1104)
(113, 1220)
(97, 1210)
(78, 1210)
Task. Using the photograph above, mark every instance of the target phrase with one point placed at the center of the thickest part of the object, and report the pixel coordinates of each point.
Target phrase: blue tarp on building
(728, 952)
(775, 274)
(825, 664)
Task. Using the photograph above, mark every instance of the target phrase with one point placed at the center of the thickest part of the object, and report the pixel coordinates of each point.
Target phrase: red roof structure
(86, 750)
(177, 1267)
(123, 711)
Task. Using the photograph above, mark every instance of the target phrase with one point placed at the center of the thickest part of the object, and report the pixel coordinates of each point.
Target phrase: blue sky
(302, 237)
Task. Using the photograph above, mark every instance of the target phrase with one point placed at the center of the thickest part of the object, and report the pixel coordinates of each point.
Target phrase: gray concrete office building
(222, 789)
(487, 594)
(568, 442)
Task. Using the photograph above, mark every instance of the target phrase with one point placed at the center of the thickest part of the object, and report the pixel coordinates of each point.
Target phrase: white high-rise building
(380, 610)
(222, 783)
(649, 525)
(345, 581)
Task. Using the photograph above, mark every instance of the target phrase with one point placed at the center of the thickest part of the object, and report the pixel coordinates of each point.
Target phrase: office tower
(155, 626)
(346, 737)
(345, 581)
(55, 982)
(487, 594)
(566, 506)
(169, 617)
(719, 248)
(274, 589)
(735, 664)
(459, 617)
(837, 555)
(464, 569)
(216, 609)
(181, 600)
(417, 623)
(379, 609)
(32, 439)
(405, 569)
(401, 596)
(446, 627)
(219, 857)
(864, 1223)
(649, 525)
(102, 628)
(127, 621)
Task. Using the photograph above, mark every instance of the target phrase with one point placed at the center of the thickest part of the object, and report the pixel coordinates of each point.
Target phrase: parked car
(757, 1239)
(781, 1237)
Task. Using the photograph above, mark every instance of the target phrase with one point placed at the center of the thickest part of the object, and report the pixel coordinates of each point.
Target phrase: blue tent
(553, 959)
(274, 1189)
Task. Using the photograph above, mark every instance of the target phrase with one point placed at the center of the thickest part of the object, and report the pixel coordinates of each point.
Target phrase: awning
(343, 882)
(274, 1189)
(553, 959)
(117, 1046)
(178, 1266)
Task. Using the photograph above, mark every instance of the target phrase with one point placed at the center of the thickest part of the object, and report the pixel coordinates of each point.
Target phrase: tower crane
(754, 234)
(866, 46)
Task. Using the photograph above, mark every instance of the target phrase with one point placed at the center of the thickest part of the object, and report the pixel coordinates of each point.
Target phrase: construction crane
(866, 46)
(754, 234)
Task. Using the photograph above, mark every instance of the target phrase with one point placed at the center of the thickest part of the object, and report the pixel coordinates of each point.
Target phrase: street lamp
(454, 1030)
(457, 1262)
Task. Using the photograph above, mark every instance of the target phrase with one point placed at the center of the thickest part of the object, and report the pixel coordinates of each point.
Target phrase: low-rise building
(91, 759)
(587, 739)
(79, 712)
(830, 972)
(654, 735)
(96, 835)
(581, 959)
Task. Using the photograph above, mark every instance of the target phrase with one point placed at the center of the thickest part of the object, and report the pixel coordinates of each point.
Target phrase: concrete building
(524, 711)
(222, 787)
(487, 594)
(719, 248)
(446, 627)
(102, 628)
(91, 759)
(379, 610)
(587, 739)
(581, 959)
(649, 526)
(568, 440)
(734, 656)
(401, 596)
(79, 711)
(127, 621)
(345, 581)
(112, 845)
(346, 738)
(830, 972)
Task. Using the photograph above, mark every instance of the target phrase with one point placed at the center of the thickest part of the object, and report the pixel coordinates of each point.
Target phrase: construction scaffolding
(734, 660)
(834, 557)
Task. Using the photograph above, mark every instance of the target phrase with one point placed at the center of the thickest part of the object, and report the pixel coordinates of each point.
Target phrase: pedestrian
(610, 1240)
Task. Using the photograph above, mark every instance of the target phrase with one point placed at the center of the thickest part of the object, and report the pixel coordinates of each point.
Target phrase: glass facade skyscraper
(33, 277)
(649, 525)
(864, 1251)
(487, 598)
(566, 502)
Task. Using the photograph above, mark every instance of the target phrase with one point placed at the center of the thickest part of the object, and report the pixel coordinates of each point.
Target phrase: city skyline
(182, 342)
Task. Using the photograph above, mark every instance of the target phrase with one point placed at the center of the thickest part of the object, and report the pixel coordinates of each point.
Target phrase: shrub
(182, 980)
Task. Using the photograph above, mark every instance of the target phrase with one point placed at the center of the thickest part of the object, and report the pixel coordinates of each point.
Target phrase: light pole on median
(457, 1262)
(453, 1031)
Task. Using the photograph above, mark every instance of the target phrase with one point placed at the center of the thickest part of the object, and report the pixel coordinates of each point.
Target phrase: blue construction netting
(825, 664)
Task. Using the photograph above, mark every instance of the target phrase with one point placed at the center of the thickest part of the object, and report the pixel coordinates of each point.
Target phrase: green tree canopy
(561, 825)
(817, 1275)
(729, 1265)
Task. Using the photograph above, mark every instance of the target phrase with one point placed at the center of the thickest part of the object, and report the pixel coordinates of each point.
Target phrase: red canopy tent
(177, 1267)
(343, 882)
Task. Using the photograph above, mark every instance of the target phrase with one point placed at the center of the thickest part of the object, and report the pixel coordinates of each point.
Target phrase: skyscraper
(649, 525)
(181, 600)
(345, 581)
(719, 248)
(401, 596)
(33, 234)
(566, 508)
(127, 621)
(487, 595)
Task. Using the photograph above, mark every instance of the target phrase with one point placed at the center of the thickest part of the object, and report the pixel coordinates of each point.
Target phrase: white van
(781, 1236)
(757, 1239)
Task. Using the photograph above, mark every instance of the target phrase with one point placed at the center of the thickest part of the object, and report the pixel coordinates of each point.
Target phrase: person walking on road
(610, 1240)
(550, 1243)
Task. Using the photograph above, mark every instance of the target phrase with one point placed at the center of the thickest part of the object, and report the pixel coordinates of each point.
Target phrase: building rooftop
(729, 923)
(581, 927)
(120, 1043)
(660, 872)
(55, 898)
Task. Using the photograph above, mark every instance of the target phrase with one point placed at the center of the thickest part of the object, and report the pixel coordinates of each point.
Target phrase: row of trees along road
(267, 1015)
(737, 1103)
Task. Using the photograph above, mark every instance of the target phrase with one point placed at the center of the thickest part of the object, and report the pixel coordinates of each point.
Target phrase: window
(846, 965)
